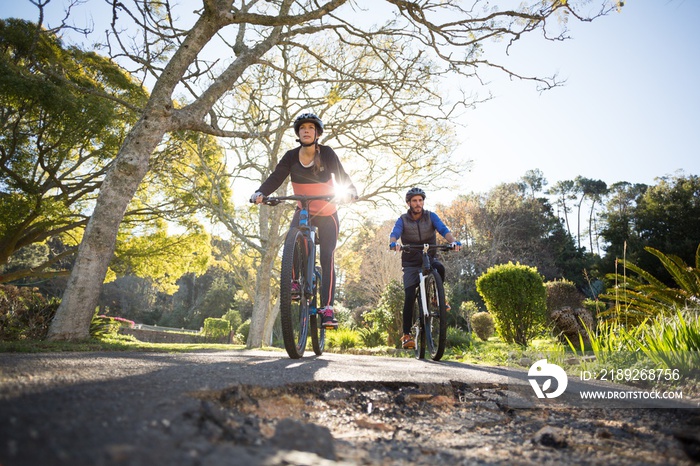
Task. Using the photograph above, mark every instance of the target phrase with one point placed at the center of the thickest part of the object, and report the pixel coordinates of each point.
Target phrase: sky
(628, 111)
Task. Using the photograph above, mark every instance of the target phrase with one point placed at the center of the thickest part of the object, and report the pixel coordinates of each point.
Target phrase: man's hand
(394, 246)
(456, 245)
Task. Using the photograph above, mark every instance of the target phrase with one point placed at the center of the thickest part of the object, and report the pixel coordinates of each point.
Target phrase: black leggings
(410, 298)
(328, 227)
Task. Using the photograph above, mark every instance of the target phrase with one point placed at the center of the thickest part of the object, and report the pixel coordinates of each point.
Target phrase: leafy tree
(593, 190)
(57, 140)
(387, 316)
(619, 223)
(563, 191)
(533, 181)
(368, 264)
(58, 137)
(667, 218)
(171, 53)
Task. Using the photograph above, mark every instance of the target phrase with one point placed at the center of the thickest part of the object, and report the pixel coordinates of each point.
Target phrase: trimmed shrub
(215, 328)
(483, 325)
(516, 298)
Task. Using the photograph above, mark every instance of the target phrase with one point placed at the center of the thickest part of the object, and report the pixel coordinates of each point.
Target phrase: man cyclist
(314, 170)
(417, 227)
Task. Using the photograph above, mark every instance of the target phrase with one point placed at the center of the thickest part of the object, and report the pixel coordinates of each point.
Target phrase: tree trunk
(80, 299)
(270, 323)
(263, 294)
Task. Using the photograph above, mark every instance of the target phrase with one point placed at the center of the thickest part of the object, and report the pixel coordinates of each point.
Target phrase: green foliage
(483, 325)
(59, 135)
(101, 326)
(458, 339)
(24, 313)
(215, 328)
(234, 318)
(387, 316)
(460, 316)
(674, 343)
(372, 337)
(642, 296)
(562, 293)
(343, 339)
(516, 298)
(244, 329)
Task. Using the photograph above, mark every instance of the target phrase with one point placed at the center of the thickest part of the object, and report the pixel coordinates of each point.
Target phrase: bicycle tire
(436, 321)
(294, 313)
(418, 328)
(318, 331)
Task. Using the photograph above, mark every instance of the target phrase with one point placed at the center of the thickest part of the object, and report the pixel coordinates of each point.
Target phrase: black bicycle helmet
(414, 192)
(308, 117)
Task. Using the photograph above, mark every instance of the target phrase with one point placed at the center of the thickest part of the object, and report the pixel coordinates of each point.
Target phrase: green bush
(516, 298)
(387, 315)
(243, 330)
(343, 339)
(24, 313)
(563, 293)
(234, 318)
(215, 328)
(372, 337)
(462, 317)
(101, 326)
(458, 338)
(483, 325)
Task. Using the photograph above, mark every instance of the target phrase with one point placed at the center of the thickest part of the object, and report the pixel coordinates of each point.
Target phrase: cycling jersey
(308, 181)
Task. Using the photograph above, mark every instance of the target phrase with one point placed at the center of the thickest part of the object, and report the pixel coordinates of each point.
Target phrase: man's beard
(416, 210)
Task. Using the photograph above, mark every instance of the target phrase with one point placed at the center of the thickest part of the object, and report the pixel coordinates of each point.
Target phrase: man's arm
(395, 235)
(444, 231)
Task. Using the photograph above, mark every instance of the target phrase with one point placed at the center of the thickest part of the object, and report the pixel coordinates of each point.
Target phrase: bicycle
(430, 311)
(299, 282)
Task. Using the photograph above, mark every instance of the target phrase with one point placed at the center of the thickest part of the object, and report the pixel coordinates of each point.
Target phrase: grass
(109, 343)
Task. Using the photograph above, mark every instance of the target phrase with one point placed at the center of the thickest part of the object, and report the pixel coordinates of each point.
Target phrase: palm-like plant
(642, 296)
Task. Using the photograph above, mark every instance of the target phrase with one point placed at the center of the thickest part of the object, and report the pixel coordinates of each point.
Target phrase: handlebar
(273, 201)
(427, 247)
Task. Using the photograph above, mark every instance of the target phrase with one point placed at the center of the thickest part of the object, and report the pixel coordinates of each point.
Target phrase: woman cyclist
(314, 170)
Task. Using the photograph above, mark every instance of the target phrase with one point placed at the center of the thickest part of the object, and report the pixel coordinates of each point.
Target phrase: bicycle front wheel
(294, 308)
(318, 331)
(436, 320)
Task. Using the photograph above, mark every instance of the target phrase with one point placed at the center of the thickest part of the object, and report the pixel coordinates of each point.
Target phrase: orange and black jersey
(307, 181)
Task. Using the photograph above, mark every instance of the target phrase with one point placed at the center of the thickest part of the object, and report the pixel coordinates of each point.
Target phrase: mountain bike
(430, 310)
(300, 282)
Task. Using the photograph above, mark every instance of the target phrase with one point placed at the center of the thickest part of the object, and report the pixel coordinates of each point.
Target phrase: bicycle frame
(299, 258)
(425, 270)
(429, 312)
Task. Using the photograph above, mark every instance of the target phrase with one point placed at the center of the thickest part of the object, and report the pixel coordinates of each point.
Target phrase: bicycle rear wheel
(294, 301)
(418, 328)
(318, 331)
(436, 320)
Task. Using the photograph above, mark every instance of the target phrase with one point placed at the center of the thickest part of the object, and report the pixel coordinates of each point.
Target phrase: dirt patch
(395, 423)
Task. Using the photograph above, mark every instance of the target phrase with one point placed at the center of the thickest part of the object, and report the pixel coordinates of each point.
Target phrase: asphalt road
(66, 408)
